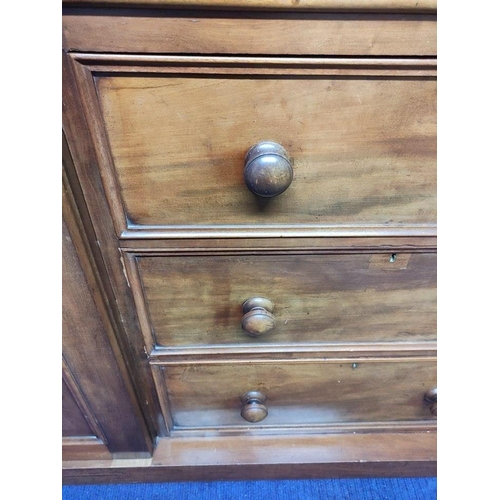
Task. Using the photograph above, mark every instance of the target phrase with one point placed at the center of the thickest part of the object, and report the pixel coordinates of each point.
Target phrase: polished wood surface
(349, 5)
(301, 393)
(161, 102)
(434, 409)
(268, 171)
(99, 388)
(73, 422)
(97, 231)
(363, 150)
(325, 299)
(431, 397)
(266, 457)
(253, 406)
(258, 318)
(195, 32)
(84, 448)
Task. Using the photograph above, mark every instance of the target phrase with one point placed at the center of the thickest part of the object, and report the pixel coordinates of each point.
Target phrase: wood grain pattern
(81, 157)
(73, 420)
(271, 457)
(297, 352)
(355, 427)
(157, 100)
(84, 339)
(256, 65)
(364, 151)
(198, 32)
(362, 241)
(78, 448)
(85, 321)
(349, 5)
(343, 236)
(76, 410)
(305, 393)
(196, 301)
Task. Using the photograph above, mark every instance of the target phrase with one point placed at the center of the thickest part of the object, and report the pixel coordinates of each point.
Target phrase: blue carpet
(324, 489)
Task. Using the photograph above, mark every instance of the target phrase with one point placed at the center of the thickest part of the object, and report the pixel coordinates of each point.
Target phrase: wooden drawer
(197, 301)
(300, 393)
(360, 135)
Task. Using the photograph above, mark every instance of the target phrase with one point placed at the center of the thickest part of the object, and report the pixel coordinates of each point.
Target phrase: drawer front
(197, 301)
(300, 393)
(362, 147)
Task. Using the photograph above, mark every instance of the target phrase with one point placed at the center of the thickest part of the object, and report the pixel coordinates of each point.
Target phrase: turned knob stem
(254, 408)
(258, 318)
(268, 171)
(431, 397)
(434, 409)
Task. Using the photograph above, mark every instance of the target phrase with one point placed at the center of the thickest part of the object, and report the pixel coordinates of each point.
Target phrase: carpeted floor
(324, 489)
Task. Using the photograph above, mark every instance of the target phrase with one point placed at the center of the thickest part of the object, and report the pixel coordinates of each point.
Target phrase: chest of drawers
(252, 198)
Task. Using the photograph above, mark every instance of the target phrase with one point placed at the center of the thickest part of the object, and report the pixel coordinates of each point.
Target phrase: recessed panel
(363, 149)
(301, 393)
(197, 301)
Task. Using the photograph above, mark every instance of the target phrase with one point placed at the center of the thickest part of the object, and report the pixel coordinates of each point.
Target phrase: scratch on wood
(124, 271)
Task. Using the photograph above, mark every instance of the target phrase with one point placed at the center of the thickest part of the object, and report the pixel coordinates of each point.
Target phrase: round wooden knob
(431, 396)
(258, 318)
(268, 171)
(254, 408)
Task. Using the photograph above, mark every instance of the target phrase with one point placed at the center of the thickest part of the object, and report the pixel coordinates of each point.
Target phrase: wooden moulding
(88, 333)
(389, 454)
(84, 448)
(413, 236)
(362, 298)
(327, 5)
(74, 391)
(285, 348)
(321, 245)
(139, 212)
(333, 396)
(305, 353)
(81, 168)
